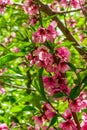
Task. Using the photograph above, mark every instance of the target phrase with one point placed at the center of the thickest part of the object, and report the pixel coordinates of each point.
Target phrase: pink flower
(44, 58)
(13, 124)
(30, 8)
(39, 120)
(64, 3)
(51, 33)
(15, 49)
(54, 6)
(50, 84)
(33, 10)
(33, 20)
(68, 125)
(84, 117)
(67, 114)
(82, 2)
(29, 128)
(71, 22)
(2, 7)
(63, 53)
(13, 34)
(2, 90)
(42, 34)
(48, 111)
(84, 122)
(29, 56)
(45, 128)
(84, 127)
(63, 67)
(5, 2)
(82, 37)
(29, 2)
(41, 52)
(75, 3)
(3, 127)
(64, 88)
(39, 36)
(79, 103)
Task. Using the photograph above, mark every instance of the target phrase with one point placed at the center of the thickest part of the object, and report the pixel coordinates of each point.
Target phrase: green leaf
(22, 108)
(41, 83)
(73, 68)
(66, 43)
(75, 92)
(84, 82)
(59, 95)
(7, 58)
(28, 108)
(53, 121)
(16, 109)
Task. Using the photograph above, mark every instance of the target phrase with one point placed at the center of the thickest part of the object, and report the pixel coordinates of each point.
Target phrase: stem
(76, 120)
(40, 17)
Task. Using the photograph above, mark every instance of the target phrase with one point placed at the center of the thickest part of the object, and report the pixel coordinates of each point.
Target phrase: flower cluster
(55, 63)
(31, 8)
(47, 114)
(72, 3)
(3, 4)
(45, 34)
(79, 103)
(68, 124)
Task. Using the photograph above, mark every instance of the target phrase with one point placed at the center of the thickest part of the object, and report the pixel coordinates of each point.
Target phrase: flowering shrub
(43, 69)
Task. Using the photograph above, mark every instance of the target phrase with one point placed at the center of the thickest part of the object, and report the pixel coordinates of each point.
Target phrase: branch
(70, 11)
(76, 120)
(64, 30)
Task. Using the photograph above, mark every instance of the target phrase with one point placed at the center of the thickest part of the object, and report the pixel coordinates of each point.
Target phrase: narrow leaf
(84, 82)
(54, 119)
(41, 83)
(75, 92)
(7, 58)
(59, 95)
(73, 68)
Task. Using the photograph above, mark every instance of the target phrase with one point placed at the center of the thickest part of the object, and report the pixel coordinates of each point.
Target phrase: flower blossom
(67, 114)
(64, 3)
(75, 3)
(43, 58)
(48, 111)
(39, 36)
(45, 34)
(51, 85)
(2, 90)
(54, 6)
(84, 122)
(63, 53)
(67, 125)
(3, 4)
(79, 103)
(3, 127)
(30, 7)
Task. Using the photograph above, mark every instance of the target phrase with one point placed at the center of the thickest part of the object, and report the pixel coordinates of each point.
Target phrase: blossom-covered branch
(65, 31)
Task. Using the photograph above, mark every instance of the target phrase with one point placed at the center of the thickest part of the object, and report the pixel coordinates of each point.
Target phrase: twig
(40, 17)
(76, 120)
